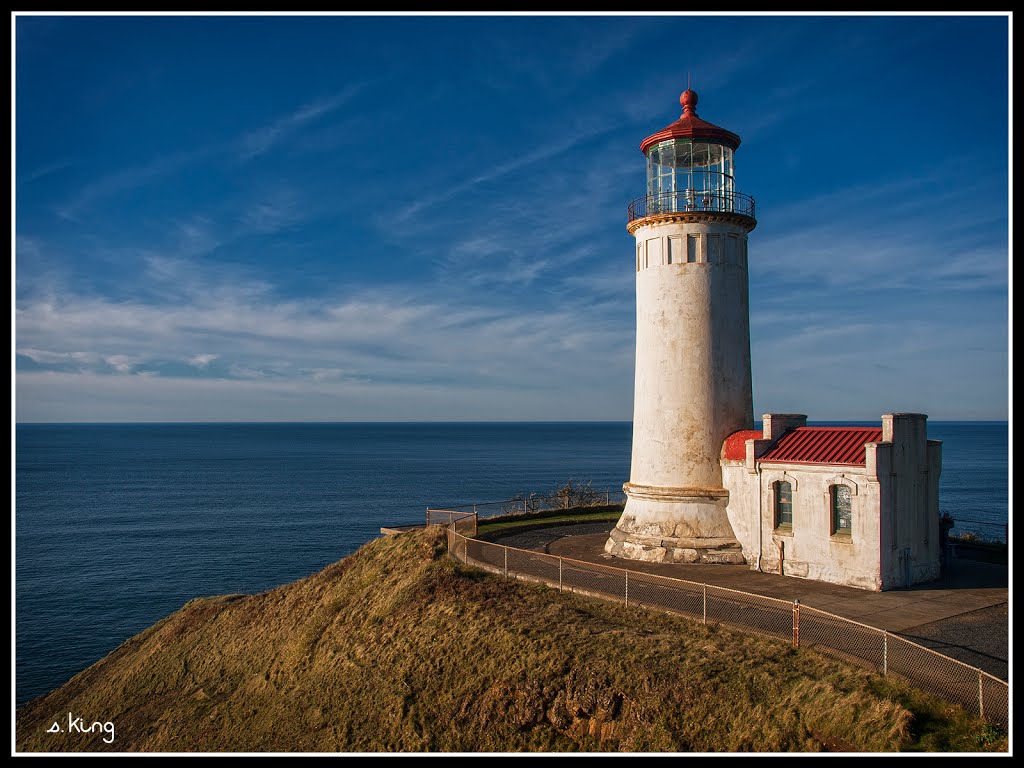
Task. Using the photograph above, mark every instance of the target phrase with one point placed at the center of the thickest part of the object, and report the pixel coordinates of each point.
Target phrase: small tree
(566, 496)
(523, 503)
(574, 494)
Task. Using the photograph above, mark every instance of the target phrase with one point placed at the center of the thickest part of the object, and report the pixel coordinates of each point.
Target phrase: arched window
(841, 510)
(783, 505)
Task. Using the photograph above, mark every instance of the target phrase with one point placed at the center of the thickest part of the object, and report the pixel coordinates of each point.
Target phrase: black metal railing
(691, 200)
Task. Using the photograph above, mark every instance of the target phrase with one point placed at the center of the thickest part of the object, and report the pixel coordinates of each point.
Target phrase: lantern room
(690, 167)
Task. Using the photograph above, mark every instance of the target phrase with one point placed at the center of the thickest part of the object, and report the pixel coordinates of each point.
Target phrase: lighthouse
(692, 379)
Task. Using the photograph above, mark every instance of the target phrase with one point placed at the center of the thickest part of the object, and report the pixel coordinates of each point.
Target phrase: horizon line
(445, 422)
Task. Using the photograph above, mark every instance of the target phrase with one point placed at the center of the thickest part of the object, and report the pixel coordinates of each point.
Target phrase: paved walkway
(963, 615)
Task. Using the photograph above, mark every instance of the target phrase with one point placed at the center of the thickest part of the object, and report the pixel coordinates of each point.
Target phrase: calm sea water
(119, 525)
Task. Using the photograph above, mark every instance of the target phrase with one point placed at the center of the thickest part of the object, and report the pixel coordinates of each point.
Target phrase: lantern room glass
(690, 175)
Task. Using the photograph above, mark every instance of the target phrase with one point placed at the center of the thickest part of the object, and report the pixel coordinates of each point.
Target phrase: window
(687, 175)
(730, 249)
(783, 505)
(714, 255)
(839, 496)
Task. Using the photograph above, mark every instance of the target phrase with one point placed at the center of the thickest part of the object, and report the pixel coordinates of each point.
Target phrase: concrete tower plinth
(693, 378)
(675, 525)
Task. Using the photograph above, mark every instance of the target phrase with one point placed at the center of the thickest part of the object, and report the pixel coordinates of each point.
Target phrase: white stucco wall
(807, 549)
(692, 387)
(894, 505)
(909, 467)
(742, 506)
(692, 381)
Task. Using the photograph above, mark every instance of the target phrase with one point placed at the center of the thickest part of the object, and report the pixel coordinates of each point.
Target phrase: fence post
(559, 574)
(796, 623)
(981, 697)
(608, 501)
(885, 653)
(428, 516)
(705, 603)
(627, 588)
(505, 550)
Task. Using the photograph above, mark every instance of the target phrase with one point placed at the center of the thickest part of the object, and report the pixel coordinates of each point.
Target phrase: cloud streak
(201, 361)
(264, 139)
(539, 154)
(245, 148)
(388, 337)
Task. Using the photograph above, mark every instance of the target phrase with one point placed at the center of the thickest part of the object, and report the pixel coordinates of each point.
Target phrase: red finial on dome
(689, 126)
(689, 101)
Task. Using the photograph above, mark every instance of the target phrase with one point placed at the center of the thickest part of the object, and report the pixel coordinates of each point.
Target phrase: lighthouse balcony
(733, 204)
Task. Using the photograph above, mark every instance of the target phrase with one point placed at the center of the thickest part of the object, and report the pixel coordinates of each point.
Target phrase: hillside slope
(397, 648)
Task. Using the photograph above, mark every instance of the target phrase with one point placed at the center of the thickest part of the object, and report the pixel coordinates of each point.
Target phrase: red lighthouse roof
(689, 126)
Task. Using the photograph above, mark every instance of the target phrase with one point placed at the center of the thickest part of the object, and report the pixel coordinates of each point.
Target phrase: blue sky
(423, 218)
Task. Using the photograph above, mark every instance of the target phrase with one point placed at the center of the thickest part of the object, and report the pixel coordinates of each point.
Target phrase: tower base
(675, 525)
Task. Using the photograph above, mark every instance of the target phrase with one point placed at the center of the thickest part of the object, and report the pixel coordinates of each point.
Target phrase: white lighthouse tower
(693, 384)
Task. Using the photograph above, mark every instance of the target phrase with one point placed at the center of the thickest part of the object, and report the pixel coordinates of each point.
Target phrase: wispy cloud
(538, 154)
(201, 361)
(42, 171)
(246, 147)
(262, 140)
(123, 363)
(49, 357)
(404, 340)
(131, 178)
(272, 213)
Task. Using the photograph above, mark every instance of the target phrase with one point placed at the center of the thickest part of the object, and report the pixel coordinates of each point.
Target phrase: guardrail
(980, 530)
(580, 496)
(974, 689)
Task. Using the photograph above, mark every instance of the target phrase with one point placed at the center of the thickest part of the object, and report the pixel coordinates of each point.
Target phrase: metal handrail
(915, 673)
(690, 200)
(532, 502)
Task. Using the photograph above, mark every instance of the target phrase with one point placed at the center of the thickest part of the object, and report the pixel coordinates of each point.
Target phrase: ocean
(118, 525)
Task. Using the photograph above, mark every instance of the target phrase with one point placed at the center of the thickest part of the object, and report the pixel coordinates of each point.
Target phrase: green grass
(398, 648)
(489, 527)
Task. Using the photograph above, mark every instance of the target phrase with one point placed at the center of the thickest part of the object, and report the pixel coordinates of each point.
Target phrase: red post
(796, 623)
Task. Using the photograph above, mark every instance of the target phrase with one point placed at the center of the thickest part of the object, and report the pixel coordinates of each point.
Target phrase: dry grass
(397, 648)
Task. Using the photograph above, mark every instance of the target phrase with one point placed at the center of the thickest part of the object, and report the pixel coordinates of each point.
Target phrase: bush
(571, 494)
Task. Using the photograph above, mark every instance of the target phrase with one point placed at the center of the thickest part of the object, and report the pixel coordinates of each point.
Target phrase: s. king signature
(75, 725)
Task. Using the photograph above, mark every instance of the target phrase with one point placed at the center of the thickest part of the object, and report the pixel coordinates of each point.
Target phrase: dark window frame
(836, 510)
(782, 500)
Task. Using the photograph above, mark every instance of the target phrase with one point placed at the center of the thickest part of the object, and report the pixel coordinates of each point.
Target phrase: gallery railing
(689, 200)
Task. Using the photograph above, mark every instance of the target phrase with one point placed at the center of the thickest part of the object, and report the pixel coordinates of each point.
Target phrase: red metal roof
(824, 445)
(735, 446)
(689, 126)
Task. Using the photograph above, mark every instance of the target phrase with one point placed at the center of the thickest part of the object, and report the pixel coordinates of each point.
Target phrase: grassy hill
(398, 648)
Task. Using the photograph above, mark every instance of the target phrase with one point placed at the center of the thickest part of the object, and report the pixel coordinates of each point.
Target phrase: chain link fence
(983, 531)
(973, 689)
(461, 522)
(571, 496)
